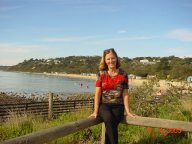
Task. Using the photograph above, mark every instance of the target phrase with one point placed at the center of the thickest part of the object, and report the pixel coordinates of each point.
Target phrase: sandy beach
(164, 84)
(72, 75)
(16, 97)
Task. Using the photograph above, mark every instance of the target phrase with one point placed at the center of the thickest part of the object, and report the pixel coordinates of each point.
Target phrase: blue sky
(61, 28)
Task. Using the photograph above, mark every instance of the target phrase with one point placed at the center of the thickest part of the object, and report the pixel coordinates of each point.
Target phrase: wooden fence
(49, 108)
(50, 134)
(56, 107)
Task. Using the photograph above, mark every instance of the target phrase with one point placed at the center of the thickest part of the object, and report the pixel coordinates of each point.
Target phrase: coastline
(11, 97)
(134, 82)
(71, 75)
(163, 84)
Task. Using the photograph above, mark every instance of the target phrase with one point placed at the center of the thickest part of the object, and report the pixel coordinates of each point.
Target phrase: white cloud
(178, 51)
(13, 53)
(8, 8)
(106, 41)
(17, 48)
(122, 31)
(76, 1)
(64, 39)
(181, 34)
(139, 38)
(174, 50)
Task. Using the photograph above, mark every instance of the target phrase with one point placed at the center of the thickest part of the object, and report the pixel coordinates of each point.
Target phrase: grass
(176, 109)
(24, 124)
(18, 125)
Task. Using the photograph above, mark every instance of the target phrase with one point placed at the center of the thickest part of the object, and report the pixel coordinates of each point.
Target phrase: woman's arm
(97, 99)
(126, 103)
(96, 102)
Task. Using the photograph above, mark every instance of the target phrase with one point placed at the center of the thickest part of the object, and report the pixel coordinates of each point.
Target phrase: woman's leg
(106, 114)
(111, 116)
(118, 112)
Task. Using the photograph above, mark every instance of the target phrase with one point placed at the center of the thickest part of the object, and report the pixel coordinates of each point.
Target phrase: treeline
(162, 67)
(4, 68)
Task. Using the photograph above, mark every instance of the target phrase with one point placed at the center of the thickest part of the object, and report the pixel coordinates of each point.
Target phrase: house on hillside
(189, 79)
(146, 61)
(138, 77)
(132, 76)
(151, 76)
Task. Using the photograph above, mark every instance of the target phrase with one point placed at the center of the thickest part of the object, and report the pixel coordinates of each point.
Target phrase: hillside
(162, 67)
(4, 67)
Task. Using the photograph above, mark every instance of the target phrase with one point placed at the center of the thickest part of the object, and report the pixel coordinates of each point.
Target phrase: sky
(45, 29)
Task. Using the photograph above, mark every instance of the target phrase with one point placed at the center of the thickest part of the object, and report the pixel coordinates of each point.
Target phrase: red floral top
(112, 87)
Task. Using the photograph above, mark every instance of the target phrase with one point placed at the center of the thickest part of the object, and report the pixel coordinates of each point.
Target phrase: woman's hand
(131, 115)
(94, 115)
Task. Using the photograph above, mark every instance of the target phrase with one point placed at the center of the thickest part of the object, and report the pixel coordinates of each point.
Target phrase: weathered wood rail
(50, 134)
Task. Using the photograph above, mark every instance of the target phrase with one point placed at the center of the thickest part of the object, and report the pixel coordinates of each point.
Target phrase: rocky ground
(9, 99)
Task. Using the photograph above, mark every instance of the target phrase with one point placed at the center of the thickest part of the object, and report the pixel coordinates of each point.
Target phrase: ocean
(41, 84)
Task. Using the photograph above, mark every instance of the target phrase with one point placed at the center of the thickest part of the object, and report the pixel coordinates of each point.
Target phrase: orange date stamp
(167, 131)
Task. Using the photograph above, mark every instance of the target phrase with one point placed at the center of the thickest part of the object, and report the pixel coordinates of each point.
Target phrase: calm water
(39, 83)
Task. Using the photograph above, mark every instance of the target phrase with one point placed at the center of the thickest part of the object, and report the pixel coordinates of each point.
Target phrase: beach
(163, 84)
(11, 97)
(72, 75)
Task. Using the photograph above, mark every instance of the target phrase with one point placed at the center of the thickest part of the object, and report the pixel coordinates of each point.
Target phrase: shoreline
(12, 97)
(71, 75)
(164, 84)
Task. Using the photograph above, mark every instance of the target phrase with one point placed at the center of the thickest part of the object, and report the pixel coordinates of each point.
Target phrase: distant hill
(162, 67)
(4, 68)
(71, 64)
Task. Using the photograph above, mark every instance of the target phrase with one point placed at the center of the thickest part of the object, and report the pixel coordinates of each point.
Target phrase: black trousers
(111, 114)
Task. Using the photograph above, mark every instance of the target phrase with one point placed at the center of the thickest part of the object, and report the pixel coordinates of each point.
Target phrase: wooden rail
(50, 134)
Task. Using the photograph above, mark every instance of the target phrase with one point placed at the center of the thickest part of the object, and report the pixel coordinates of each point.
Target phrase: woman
(111, 95)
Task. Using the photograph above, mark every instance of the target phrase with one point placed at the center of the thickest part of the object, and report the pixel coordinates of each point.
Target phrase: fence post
(103, 134)
(26, 107)
(92, 100)
(189, 135)
(74, 104)
(50, 110)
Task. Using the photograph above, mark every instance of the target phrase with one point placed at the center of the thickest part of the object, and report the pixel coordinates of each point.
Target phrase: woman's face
(111, 60)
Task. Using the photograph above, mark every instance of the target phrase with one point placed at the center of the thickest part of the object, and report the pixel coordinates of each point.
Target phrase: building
(146, 61)
(132, 76)
(189, 78)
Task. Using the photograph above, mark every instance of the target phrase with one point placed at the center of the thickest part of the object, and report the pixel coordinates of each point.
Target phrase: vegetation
(172, 105)
(4, 67)
(162, 67)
